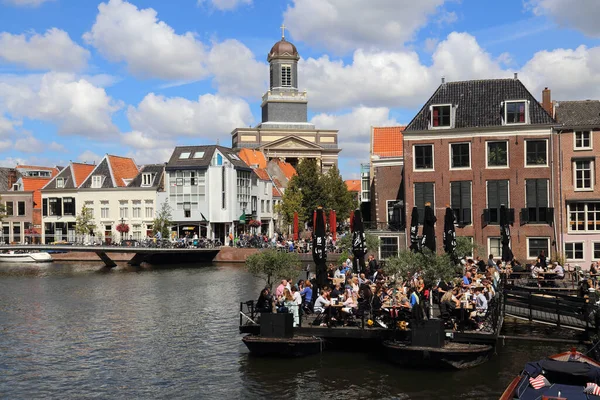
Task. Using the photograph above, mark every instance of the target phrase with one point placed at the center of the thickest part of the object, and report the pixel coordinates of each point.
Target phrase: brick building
(477, 145)
(577, 141)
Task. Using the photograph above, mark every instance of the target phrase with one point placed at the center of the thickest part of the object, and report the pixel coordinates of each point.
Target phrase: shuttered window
(423, 194)
(497, 194)
(536, 202)
(460, 201)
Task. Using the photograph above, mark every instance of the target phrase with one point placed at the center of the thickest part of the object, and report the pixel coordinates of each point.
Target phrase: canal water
(75, 331)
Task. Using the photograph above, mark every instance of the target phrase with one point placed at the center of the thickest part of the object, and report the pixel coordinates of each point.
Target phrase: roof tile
(81, 172)
(35, 185)
(387, 141)
(288, 170)
(353, 185)
(123, 168)
(253, 157)
(578, 113)
(262, 174)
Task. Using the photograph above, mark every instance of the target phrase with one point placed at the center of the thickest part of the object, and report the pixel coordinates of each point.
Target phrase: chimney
(547, 101)
(516, 76)
(12, 177)
(443, 80)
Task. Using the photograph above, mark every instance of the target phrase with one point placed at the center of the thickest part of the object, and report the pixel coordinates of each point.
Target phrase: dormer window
(15, 187)
(60, 183)
(515, 112)
(199, 154)
(96, 181)
(286, 75)
(184, 155)
(441, 116)
(147, 179)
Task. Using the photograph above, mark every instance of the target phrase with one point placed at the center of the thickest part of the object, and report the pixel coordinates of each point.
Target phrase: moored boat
(25, 257)
(450, 356)
(297, 346)
(570, 375)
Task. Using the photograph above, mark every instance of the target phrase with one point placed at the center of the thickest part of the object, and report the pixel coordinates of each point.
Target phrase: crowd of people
(351, 296)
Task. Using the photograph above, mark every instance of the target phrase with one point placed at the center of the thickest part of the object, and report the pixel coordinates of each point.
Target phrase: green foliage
(2, 210)
(345, 243)
(308, 181)
(272, 264)
(84, 223)
(465, 247)
(162, 223)
(344, 255)
(337, 197)
(291, 202)
(433, 267)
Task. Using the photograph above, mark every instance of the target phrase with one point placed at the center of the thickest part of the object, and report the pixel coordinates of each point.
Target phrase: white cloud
(344, 25)
(73, 104)
(138, 140)
(225, 5)
(57, 147)
(209, 118)
(11, 162)
(149, 47)
(89, 157)
(53, 50)
(355, 128)
(5, 145)
(29, 144)
(6, 126)
(151, 156)
(26, 3)
(581, 15)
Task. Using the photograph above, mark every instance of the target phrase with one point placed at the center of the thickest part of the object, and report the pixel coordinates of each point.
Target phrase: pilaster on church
(284, 131)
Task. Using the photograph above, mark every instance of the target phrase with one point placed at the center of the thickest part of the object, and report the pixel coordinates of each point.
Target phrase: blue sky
(81, 78)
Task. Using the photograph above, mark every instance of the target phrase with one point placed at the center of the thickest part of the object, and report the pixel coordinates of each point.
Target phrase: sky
(83, 78)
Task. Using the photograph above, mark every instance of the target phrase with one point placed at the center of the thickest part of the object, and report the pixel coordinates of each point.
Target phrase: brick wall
(386, 186)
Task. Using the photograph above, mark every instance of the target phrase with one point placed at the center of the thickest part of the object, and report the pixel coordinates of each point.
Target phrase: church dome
(283, 49)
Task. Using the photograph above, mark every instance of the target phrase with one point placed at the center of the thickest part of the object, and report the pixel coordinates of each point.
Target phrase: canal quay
(68, 330)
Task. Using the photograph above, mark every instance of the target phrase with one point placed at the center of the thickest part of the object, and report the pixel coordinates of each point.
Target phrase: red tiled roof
(35, 167)
(34, 185)
(253, 158)
(276, 192)
(262, 174)
(122, 168)
(287, 169)
(387, 141)
(81, 172)
(353, 185)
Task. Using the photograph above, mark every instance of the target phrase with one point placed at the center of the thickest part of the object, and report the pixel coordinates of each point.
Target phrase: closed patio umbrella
(428, 239)
(359, 242)
(414, 230)
(295, 226)
(449, 233)
(507, 254)
(318, 248)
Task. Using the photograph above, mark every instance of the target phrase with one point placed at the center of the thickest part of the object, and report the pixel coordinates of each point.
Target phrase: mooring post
(530, 307)
(558, 312)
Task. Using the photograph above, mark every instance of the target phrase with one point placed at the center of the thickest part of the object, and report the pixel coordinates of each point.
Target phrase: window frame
(583, 148)
(594, 243)
(525, 112)
(147, 179)
(19, 203)
(451, 117)
(62, 183)
(487, 155)
(184, 155)
(487, 200)
(382, 244)
(489, 246)
(452, 156)
(11, 208)
(537, 221)
(414, 198)
(457, 220)
(430, 145)
(586, 213)
(548, 253)
(286, 75)
(97, 181)
(574, 251)
(527, 165)
(592, 175)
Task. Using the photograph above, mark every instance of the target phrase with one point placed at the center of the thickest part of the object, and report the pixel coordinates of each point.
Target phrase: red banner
(333, 224)
(295, 226)
(352, 221)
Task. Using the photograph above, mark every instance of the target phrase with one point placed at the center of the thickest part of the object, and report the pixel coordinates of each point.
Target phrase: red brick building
(477, 145)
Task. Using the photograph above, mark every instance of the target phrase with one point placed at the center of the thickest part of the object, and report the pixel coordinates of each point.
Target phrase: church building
(285, 132)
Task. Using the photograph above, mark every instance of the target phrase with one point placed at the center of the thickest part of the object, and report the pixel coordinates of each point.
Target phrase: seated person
(306, 292)
(337, 291)
(339, 273)
(323, 301)
(481, 306)
(466, 280)
(450, 300)
(264, 304)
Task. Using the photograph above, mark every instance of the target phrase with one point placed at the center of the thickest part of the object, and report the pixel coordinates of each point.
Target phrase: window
(497, 154)
(9, 208)
(460, 155)
(90, 206)
(136, 212)
(536, 152)
(184, 154)
(460, 201)
(69, 206)
(536, 202)
(123, 211)
(596, 255)
(60, 183)
(243, 189)
(495, 246)
(147, 179)
(268, 206)
(574, 251)
(515, 112)
(584, 217)
(497, 195)
(234, 157)
(535, 247)
(104, 212)
(223, 188)
(54, 206)
(286, 75)
(262, 206)
(583, 174)
(137, 232)
(20, 208)
(150, 212)
(424, 156)
(440, 116)
(583, 140)
(198, 154)
(424, 193)
(96, 181)
(15, 187)
(388, 247)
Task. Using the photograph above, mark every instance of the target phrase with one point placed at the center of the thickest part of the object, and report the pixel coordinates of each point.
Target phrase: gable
(102, 169)
(291, 142)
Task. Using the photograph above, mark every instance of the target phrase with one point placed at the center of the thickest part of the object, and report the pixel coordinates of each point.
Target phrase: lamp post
(122, 226)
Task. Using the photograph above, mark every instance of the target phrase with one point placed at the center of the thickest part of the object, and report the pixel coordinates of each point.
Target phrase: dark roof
(176, 162)
(156, 170)
(67, 176)
(4, 175)
(479, 103)
(578, 113)
(102, 169)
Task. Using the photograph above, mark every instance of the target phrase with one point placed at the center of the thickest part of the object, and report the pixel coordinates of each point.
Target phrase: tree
(272, 264)
(308, 180)
(466, 247)
(162, 223)
(345, 243)
(2, 210)
(84, 223)
(291, 202)
(432, 267)
(337, 196)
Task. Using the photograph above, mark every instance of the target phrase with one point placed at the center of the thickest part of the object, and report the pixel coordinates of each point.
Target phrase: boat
(564, 376)
(449, 356)
(297, 346)
(25, 257)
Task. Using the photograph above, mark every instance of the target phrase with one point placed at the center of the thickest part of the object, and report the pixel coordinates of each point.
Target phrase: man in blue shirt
(467, 279)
